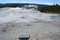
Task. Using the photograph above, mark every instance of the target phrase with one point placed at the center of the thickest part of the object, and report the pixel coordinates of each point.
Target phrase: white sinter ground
(40, 26)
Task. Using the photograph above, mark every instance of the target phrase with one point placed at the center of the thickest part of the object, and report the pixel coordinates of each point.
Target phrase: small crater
(28, 25)
(3, 30)
(22, 17)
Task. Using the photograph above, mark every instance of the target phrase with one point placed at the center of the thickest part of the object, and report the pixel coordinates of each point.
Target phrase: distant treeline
(11, 5)
(50, 9)
(41, 7)
(15, 4)
(18, 4)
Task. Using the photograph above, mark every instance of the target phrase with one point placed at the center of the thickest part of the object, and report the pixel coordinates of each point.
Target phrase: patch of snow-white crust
(23, 15)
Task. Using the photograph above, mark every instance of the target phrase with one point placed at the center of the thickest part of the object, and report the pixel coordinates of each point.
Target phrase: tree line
(42, 8)
(50, 9)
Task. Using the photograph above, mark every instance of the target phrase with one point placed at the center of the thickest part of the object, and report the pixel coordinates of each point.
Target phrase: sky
(49, 2)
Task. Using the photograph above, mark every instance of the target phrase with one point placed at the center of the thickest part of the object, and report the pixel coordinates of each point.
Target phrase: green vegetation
(15, 4)
(42, 8)
(50, 9)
